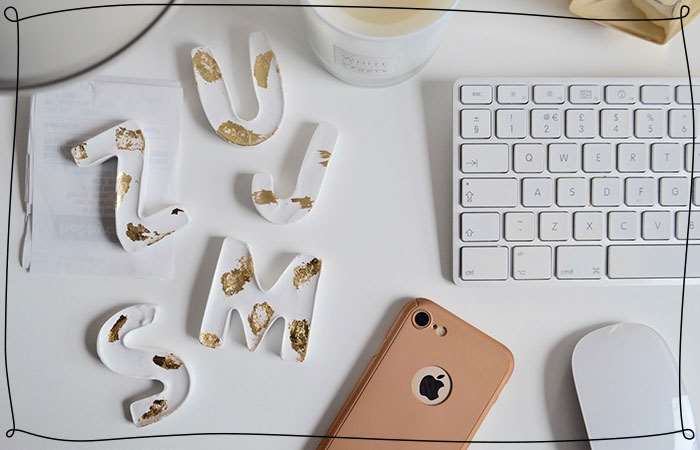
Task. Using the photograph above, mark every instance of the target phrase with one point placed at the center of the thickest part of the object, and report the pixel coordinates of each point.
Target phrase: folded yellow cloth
(659, 31)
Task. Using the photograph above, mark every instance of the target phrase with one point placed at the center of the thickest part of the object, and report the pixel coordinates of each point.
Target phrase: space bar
(652, 261)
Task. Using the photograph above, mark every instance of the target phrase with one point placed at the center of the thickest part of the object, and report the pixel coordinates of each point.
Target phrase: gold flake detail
(130, 140)
(305, 272)
(299, 337)
(238, 134)
(325, 157)
(79, 152)
(123, 183)
(206, 66)
(261, 71)
(264, 197)
(140, 233)
(233, 282)
(137, 232)
(260, 316)
(210, 340)
(304, 202)
(167, 362)
(154, 413)
(113, 335)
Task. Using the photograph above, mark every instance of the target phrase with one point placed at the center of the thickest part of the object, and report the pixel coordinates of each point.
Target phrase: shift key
(489, 192)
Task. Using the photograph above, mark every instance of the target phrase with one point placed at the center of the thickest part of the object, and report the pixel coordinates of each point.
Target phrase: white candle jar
(375, 47)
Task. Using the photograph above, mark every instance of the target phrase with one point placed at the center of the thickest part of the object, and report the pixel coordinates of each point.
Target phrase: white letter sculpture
(313, 170)
(151, 365)
(216, 101)
(235, 287)
(128, 143)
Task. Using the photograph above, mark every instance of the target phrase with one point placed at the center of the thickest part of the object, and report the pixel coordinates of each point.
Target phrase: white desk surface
(382, 228)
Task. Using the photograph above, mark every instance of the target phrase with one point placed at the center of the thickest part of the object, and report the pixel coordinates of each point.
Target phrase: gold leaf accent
(131, 140)
(304, 202)
(259, 317)
(210, 340)
(167, 362)
(261, 71)
(264, 197)
(113, 335)
(238, 134)
(206, 66)
(79, 152)
(155, 411)
(123, 183)
(233, 282)
(305, 272)
(299, 337)
(137, 232)
(325, 157)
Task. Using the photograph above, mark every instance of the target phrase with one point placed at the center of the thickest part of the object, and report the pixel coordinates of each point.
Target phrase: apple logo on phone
(431, 385)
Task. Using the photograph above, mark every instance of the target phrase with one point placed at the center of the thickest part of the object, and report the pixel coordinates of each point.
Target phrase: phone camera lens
(421, 319)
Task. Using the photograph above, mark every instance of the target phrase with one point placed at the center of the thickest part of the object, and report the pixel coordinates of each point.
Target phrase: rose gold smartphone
(435, 378)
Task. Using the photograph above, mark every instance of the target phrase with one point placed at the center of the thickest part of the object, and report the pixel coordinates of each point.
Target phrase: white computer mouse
(627, 384)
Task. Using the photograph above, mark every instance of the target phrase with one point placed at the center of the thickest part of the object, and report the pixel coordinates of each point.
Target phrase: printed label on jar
(363, 64)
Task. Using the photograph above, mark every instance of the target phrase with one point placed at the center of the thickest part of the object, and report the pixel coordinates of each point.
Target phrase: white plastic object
(129, 144)
(149, 364)
(627, 383)
(235, 287)
(313, 170)
(216, 101)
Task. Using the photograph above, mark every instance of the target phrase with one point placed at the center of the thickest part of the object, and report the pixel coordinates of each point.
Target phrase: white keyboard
(573, 179)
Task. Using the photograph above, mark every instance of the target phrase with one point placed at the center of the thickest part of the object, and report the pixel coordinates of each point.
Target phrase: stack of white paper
(70, 211)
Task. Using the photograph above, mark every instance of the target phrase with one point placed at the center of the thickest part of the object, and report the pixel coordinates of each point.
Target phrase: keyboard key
(567, 158)
(620, 94)
(475, 94)
(581, 123)
(493, 192)
(656, 225)
(571, 192)
(476, 123)
(649, 123)
(511, 123)
(546, 123)
(696, 191)
(633, 157)
(682, 225)
(549, 94)
(555, 226)
(640, 191)
(588, 94)
(537, 192)
(520, 226)
(484, 158)
(674, 191)
(588, 226)
(529, 158)
(597, 158)
(605, 192)
(689, 156)
(480, 227)
(580, 262)
(683, 94)
(484, 263)
(532, 263)
(656, 95)
(513, 94)
(666, 157)
(615, 123)
(680, 123)
(652, 261)
(623, 226)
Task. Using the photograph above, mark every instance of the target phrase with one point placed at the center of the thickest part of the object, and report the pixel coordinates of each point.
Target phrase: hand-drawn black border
(687, 433)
